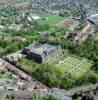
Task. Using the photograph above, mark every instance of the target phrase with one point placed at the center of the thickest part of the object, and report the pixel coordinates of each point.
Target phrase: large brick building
(42, 52)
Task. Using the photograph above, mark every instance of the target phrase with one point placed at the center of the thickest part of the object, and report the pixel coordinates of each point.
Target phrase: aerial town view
(48, 49)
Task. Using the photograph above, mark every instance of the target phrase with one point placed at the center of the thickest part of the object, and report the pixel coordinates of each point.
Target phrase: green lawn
(28, 65)
(73, 61)
(63, 68)
(70, 63)
(76, 73)
(50, 19)
(86, 65)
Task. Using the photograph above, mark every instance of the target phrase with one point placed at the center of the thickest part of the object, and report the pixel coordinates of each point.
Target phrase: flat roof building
(42, 52)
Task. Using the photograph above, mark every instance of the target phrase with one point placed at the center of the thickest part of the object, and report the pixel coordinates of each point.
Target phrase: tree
(95, 66)
(7, 98)
(36, 97)
(88, 78)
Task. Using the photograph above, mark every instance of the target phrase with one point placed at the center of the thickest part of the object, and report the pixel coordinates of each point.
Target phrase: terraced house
(42, 52)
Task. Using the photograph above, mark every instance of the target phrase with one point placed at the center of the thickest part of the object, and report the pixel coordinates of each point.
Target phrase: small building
(42, 52)
(33, 17)
(14, 57)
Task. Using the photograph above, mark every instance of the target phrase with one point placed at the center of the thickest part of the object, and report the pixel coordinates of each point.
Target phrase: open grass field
(52, 20)
(72, 65)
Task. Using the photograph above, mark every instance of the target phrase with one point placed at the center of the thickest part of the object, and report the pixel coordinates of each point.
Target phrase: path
(77, 67)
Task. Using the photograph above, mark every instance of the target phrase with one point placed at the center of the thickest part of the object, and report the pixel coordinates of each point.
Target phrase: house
(33, 17)
(42, 52)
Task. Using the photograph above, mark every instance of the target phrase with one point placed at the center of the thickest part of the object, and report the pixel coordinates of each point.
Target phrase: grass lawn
(28, 65)
(76, 73)
(52, 20)
(73, 61)
(63, 68)
(73, 65)
(86, 65)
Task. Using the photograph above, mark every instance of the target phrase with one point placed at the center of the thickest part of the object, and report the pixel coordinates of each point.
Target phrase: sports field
(72, 65)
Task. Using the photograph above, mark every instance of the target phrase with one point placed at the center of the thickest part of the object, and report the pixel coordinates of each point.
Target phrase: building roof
(41, 48)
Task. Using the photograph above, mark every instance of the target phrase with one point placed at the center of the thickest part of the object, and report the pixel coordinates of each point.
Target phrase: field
(52, 20)
(74, 66)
